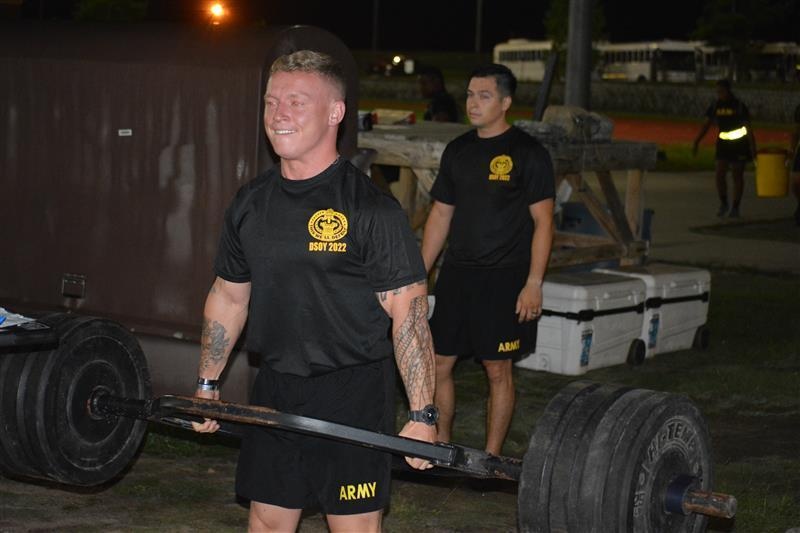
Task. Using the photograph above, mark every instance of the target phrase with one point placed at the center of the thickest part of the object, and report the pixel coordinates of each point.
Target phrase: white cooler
(676, 308)
(589, 320)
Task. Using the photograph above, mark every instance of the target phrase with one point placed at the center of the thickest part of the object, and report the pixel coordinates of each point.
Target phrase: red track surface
(669, 132)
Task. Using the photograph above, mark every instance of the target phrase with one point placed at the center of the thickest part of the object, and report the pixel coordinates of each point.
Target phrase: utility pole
(579, 54)
(375, 6)
(478, 25)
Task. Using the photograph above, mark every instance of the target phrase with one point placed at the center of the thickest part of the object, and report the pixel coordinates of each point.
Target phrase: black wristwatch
(427, 415)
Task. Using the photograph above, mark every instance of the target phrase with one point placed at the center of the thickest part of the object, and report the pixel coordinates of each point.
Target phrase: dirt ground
(182, 482)
(192, 490)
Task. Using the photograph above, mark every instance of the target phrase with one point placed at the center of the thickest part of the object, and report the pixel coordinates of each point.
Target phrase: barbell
(601, 457)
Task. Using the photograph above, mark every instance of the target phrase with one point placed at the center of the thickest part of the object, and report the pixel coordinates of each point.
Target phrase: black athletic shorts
(296, 471)
(474, 314)
(737, 151)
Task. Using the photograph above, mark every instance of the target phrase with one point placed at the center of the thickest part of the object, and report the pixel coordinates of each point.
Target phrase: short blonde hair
(314, 62)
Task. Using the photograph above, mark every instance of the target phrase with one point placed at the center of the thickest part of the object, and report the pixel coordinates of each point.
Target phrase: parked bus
(768, 62)
(667, 60)
(526, 59)
(714, 63)
(673, 61)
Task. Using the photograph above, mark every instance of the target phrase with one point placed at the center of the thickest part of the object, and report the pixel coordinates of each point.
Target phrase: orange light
(217, 10)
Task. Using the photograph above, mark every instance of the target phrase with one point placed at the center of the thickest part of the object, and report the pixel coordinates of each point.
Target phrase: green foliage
(735, 24)
(111, 10)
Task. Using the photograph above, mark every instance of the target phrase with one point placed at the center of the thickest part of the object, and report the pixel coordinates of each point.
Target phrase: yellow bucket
(772, 175)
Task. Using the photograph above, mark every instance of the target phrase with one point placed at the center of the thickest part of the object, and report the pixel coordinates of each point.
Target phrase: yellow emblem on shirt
(327, 226)
(500, 168)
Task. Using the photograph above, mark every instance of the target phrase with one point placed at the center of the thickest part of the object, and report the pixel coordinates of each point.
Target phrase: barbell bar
(601, 458)
(682, 498)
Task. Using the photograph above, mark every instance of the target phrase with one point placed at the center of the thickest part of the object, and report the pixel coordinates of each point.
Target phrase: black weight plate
(82, 448)
(14, 458)
(26, 412)
(20, 389)
(533, 495)
(629, 429)
(592, 482)
(583, 418)
(672, 441)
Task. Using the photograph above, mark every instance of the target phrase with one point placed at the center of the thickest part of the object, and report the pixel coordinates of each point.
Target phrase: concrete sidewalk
(682, 201)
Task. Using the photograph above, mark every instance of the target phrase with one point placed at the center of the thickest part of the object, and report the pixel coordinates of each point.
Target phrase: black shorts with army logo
(474, 313)
(296, 471)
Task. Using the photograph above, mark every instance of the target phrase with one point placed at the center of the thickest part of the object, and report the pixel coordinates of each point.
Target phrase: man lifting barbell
(319, 262)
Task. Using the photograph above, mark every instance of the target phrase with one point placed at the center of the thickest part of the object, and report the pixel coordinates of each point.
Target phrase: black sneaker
(734, 212)
(723, 209)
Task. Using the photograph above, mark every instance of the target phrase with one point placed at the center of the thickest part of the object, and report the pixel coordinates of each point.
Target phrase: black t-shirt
(316, 251)
(492, 182)
(729, 114)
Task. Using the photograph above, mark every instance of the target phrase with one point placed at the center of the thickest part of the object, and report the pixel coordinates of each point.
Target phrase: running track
(672, 132)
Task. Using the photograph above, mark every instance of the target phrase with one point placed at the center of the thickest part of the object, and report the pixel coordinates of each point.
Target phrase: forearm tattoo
(214, 342)
(383, 296)
(413, 348)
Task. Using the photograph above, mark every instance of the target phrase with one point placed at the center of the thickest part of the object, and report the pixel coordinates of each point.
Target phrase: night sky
(441, 24)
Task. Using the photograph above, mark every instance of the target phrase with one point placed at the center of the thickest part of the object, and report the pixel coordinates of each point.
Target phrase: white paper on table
(9, 319)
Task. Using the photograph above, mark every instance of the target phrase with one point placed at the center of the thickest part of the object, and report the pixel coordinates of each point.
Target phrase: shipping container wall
(117, 166)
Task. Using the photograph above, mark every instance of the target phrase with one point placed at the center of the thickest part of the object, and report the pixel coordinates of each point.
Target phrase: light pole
(579, 54)
(478, 24)
(375, 6)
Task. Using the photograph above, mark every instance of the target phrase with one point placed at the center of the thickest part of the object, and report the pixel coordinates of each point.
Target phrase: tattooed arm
(224, 316)
(413, 348)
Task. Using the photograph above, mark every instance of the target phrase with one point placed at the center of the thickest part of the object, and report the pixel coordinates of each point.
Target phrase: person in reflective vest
(736, 145)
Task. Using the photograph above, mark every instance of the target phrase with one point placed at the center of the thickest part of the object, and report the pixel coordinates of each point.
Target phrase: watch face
(428, 415)
(431, 414)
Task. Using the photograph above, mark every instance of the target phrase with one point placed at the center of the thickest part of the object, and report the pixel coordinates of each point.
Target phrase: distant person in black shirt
(441, 108)
(736, 145)
(441, 105)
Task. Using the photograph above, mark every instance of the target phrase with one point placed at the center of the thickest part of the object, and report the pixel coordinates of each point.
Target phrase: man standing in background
(493, 202)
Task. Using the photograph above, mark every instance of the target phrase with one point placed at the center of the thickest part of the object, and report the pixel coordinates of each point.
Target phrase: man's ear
(337, 113)
(506, 103)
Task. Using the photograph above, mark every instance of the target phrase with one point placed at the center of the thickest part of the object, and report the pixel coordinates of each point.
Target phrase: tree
(735, 24)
